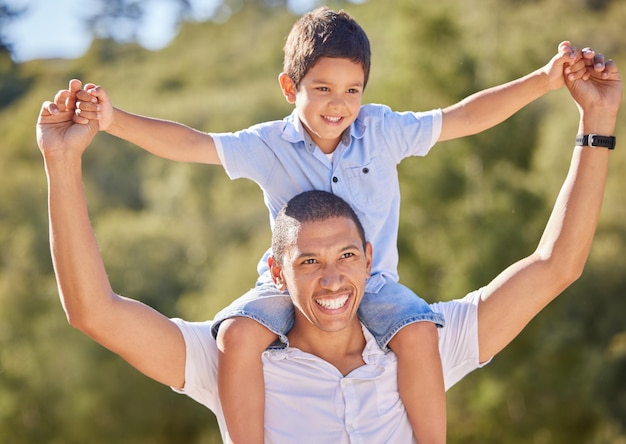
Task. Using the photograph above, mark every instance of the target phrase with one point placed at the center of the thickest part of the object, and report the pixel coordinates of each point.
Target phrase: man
(332, 384)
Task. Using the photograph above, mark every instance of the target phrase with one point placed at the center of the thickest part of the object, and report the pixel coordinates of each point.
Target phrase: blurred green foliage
(185, 239)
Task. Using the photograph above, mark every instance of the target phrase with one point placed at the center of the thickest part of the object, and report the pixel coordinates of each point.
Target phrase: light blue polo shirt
(283, 160)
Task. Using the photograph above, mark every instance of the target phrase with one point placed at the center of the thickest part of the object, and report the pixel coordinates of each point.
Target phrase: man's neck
(343, 349)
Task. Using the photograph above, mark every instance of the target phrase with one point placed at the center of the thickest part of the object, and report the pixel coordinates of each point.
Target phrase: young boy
(334, 143)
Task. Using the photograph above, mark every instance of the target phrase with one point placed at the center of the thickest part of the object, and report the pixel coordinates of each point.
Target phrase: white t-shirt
(307, 400)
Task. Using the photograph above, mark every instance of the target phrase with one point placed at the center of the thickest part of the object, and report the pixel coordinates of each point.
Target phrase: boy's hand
(93, 103)
(568, 61)
(57, 128)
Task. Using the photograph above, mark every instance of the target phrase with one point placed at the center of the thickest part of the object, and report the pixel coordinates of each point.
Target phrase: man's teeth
(332, 304)
(332, 119)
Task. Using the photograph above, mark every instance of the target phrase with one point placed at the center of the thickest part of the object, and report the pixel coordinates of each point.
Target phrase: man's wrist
(596, 140)
(598, 122)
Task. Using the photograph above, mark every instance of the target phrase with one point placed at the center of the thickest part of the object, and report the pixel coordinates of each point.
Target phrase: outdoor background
(185, 239)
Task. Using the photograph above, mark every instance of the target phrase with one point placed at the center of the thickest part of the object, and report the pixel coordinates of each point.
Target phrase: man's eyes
(312, 261)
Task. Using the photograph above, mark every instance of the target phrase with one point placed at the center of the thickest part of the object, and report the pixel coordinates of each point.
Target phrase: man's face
(328, 99)
(325, 270)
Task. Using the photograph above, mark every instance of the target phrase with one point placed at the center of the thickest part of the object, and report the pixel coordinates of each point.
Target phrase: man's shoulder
(458, 307)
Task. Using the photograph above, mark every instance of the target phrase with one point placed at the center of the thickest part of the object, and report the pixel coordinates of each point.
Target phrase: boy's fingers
(588, 53)
(566, 49)
(84, 96)
(87, 112)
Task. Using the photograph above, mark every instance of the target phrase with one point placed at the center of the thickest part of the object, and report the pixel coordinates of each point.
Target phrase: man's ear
(288, 87)
(368, 257)
(277, 273)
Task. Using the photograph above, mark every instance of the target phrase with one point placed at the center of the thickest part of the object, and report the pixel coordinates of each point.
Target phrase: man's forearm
(572, 224)
(80, 272)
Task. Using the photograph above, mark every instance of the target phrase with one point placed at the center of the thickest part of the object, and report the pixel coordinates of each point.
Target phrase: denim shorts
(383, 313)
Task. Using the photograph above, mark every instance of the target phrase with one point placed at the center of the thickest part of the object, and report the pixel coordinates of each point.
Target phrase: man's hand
(601, 89)
(57, 130)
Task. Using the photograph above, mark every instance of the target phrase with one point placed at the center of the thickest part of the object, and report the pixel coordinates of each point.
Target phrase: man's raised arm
(521, 291)
(146, 339)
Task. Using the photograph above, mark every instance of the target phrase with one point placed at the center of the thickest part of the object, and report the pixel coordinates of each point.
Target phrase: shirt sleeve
(200, 363)
(410, 133)
(458, 339)
(245, 154)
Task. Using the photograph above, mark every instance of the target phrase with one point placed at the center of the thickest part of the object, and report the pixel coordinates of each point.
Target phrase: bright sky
(57, 28)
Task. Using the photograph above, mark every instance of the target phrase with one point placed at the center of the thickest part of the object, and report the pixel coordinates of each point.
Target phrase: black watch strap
(595, 140)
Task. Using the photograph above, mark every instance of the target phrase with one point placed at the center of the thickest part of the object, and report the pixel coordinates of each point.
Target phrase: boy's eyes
(349, 91)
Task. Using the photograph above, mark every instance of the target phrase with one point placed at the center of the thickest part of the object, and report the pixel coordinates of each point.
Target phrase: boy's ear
(288, 87)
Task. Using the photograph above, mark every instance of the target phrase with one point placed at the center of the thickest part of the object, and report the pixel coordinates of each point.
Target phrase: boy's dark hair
(310, 206)
(325, 33)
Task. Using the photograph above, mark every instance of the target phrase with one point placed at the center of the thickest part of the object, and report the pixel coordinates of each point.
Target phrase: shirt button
(366, 170)
(335, 179)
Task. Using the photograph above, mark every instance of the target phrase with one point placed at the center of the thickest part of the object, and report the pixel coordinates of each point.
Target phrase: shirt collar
(372, 353)
(294, 132)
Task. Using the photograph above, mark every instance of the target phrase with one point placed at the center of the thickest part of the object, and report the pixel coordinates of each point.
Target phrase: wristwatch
(595, 140)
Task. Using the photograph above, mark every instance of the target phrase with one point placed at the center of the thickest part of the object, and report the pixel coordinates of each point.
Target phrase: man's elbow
(84, 317)
(565, 268)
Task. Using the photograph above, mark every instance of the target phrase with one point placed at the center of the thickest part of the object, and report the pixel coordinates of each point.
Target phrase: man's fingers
(48, 108)
(598, 62)
(74, 86)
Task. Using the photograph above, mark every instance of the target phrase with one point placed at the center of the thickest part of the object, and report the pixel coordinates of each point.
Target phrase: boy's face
(328, 99)
(325, 270)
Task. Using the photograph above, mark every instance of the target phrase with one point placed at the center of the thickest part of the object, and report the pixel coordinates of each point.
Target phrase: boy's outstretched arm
(521, 291)
(489, 107)
(163, 138)
(145, 338)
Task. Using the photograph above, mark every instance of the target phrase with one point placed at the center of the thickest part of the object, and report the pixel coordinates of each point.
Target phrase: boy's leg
(243, 331)
(404, 322)
(420, 380)
(240, 381)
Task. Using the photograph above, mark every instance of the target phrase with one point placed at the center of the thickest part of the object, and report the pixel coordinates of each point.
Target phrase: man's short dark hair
(310, 206)
(325, 33)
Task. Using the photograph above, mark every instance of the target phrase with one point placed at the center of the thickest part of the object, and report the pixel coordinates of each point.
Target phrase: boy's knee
(241, 333)
(417, 335)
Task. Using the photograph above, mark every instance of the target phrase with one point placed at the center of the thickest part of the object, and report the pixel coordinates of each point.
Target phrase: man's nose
(332, 278)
